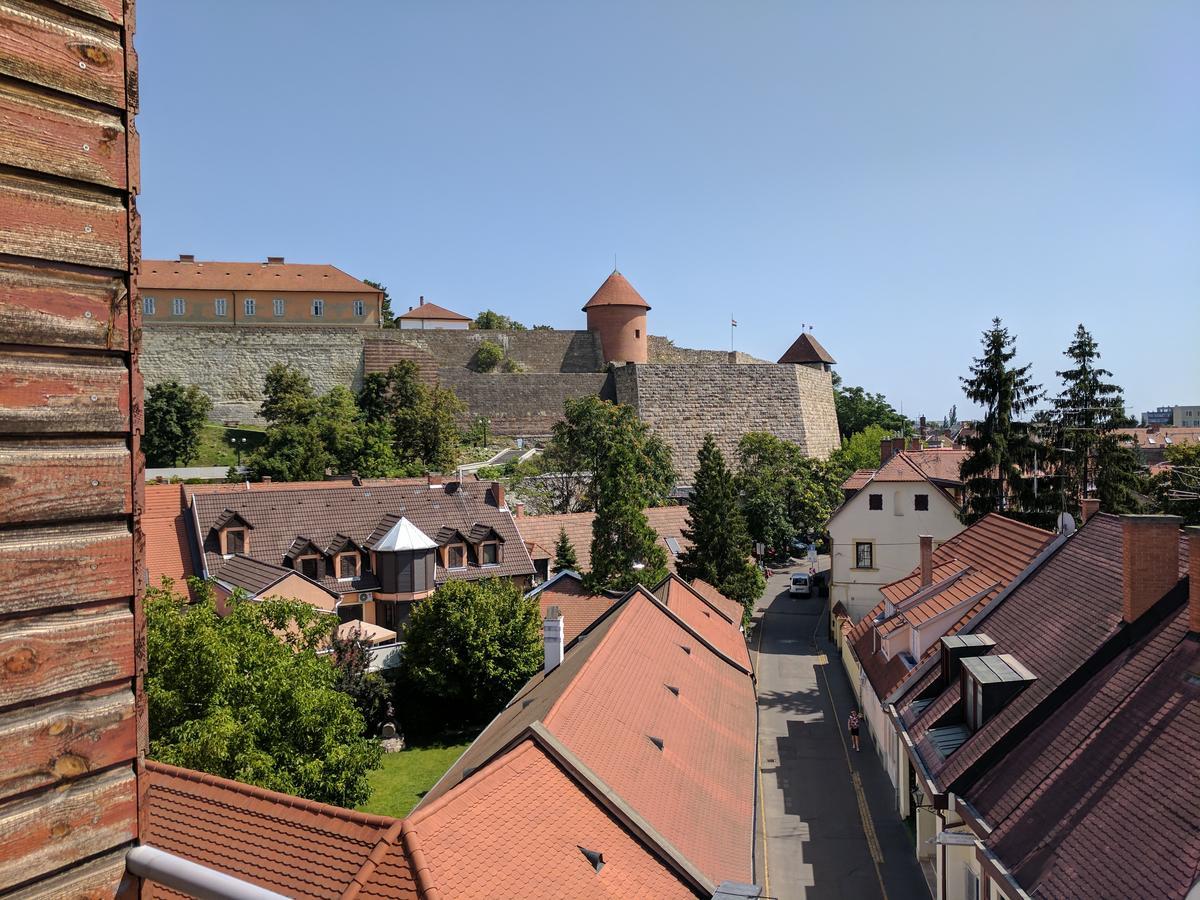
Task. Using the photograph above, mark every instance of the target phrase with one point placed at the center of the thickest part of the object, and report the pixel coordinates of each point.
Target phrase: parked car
(801, 585)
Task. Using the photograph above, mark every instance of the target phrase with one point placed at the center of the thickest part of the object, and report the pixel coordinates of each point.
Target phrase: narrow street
(827, 825)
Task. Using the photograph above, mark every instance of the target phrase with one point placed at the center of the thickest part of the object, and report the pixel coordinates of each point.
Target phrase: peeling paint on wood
(58, 566)
(64, 651)
(41, 482)
(55, 828)
(67, 224)
(75, 56)
(65, 739)
(52, 395)
(46, 134)
(40, 306)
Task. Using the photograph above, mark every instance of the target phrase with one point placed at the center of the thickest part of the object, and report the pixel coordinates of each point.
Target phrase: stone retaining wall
(520, 405)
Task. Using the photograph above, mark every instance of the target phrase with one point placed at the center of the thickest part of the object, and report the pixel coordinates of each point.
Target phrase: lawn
(406, 776)
(215, 449)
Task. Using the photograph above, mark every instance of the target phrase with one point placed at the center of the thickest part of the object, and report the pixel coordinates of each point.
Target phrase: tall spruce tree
(720, 544)
(564, 553)
(1001, 446)
(624, 552)
(1088, 411)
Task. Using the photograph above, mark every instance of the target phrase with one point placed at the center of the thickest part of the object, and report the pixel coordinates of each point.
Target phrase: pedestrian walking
(852, 724)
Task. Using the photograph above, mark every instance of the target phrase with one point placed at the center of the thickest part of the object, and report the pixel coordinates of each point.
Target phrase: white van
(801, 585)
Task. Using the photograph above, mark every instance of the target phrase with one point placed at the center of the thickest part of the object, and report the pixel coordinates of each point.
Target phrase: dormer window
(456, 556)
(234, 540)
(309, 566)
(988, 684)
(489, 554)
(347, 565)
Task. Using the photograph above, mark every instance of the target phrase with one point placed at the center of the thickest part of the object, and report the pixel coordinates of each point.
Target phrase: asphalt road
(827, 825)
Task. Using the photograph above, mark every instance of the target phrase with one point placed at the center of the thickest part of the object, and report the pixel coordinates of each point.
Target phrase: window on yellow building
(250, 306)
(360, 308)
(219, 306)
(318, 307)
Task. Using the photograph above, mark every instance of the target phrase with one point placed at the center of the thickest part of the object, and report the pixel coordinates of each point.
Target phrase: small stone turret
(617, 313)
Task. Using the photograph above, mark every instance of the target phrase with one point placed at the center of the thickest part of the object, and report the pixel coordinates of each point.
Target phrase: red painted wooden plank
(62, 223)
(109, 10)
(52, 829)
(99, 879)
(64, 565)
(51, 394)
(45, 134)
(56, 308)
(44, 481)
(45, 744)
(64, 651)
(43, 46)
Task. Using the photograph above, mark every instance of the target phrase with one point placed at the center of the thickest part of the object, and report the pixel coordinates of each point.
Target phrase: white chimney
(552, 638)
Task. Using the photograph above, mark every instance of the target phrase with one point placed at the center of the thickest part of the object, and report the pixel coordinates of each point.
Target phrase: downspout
(191, 878)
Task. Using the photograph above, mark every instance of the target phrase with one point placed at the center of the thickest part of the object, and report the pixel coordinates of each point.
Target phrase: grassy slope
(215, 451)
(406, 776)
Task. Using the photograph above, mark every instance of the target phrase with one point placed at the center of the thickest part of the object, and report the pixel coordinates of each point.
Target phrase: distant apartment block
(188, 291)
(1175, 416)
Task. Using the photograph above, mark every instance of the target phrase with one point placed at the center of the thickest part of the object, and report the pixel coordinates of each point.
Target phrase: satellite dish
(1066, 523)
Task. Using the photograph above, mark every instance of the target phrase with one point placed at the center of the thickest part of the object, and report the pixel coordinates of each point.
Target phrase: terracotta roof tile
(579, 606)
(731, 609)
(162, 274)
(516, 829)
(166, 529)
(939, 464)
(668, 521)
(807, 349)
(858, 480)
(707, 619)
(616, 291)
(429, 310)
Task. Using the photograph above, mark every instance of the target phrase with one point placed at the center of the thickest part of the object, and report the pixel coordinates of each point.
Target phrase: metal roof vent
(673, 689)
(686, 649)
(594, 857)
(656, 741)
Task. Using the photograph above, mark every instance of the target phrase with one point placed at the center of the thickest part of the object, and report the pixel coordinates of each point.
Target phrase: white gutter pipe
(191, 878)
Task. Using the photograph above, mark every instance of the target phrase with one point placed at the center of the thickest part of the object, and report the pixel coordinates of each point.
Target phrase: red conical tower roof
(616, 291)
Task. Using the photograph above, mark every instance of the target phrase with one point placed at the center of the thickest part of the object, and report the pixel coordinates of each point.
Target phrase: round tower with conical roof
(617, 313)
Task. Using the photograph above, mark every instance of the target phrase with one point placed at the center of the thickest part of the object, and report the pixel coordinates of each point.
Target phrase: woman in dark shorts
(852, 723)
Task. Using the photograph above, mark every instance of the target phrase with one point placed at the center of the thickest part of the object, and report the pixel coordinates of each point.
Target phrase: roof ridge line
(697, 594)
(623, 603)
(692, 631)
(411, 844)
(617, 806)
(386, 842)
(262, 793)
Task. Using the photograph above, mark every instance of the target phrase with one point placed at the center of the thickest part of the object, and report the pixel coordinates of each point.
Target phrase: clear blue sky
(893, 173)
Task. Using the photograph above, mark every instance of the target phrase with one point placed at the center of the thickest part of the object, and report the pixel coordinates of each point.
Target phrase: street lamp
(238, 443)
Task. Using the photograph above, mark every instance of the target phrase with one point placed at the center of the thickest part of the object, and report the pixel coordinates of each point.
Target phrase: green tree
(720, 545)
(859, 451)
(1175, 489)
(288, 395)
(292, 452)
(470, 647)
(488, 356)
(624, 548)
(175, 416)
(341, 428)
(388, 317)
(582, 440)
(858, 409)
(423, 419)
(1088, 411)
(247, 697)
(1001, 445)
(564, 553)
(784, 493)
(493, 321)
(351, 658)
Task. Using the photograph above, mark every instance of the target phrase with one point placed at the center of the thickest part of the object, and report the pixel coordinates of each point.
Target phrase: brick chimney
(187, 257)
(274, 260)
(433, 478)
(552, 638)
(420, 301)
(497, 494)
(1193, 536)
(926, 560)
(519, 509)
(1150, 561)
(1089, 506)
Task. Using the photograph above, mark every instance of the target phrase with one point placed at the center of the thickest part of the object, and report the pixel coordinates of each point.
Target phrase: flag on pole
(733, 322)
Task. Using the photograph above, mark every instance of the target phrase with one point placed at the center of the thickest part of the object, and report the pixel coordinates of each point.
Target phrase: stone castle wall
(229, 364)
(664, 352)
(520, 405)
(536, 351)
(684, 402)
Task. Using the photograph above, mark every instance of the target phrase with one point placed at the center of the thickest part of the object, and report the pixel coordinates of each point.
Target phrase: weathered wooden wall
(72, 655)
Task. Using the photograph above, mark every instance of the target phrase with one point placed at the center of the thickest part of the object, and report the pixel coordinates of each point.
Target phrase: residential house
(1152, 441)
(578, 606)
(951, 584)
(188, 291)
(540, 534)
(430, 315)
(875, 533)
(625, 768)
(1047, 741)
(364, 551)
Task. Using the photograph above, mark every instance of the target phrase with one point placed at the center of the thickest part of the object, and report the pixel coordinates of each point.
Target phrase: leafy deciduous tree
(858, 409)
(175, 416)
(493, 321)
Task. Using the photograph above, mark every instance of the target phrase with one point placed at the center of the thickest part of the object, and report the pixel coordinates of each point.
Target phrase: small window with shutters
(875, 501)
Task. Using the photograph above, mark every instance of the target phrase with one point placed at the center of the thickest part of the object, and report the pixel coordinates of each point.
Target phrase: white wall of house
(423, 324)
(894, 533)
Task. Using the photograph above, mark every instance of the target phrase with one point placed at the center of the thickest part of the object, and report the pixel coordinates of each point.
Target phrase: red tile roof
(579, 606)
(164, 524)
(972, 568)
(1156, 438)
(516, 829)
(1056, 620)
(858, 480)
(429, 310)
(807, 349)
(616, 291)
(939, 463)
(707, 619)
(163, 274)
(639, 676)
(286, 844)
(668, 521)
(731, 609)
(1103, 799)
